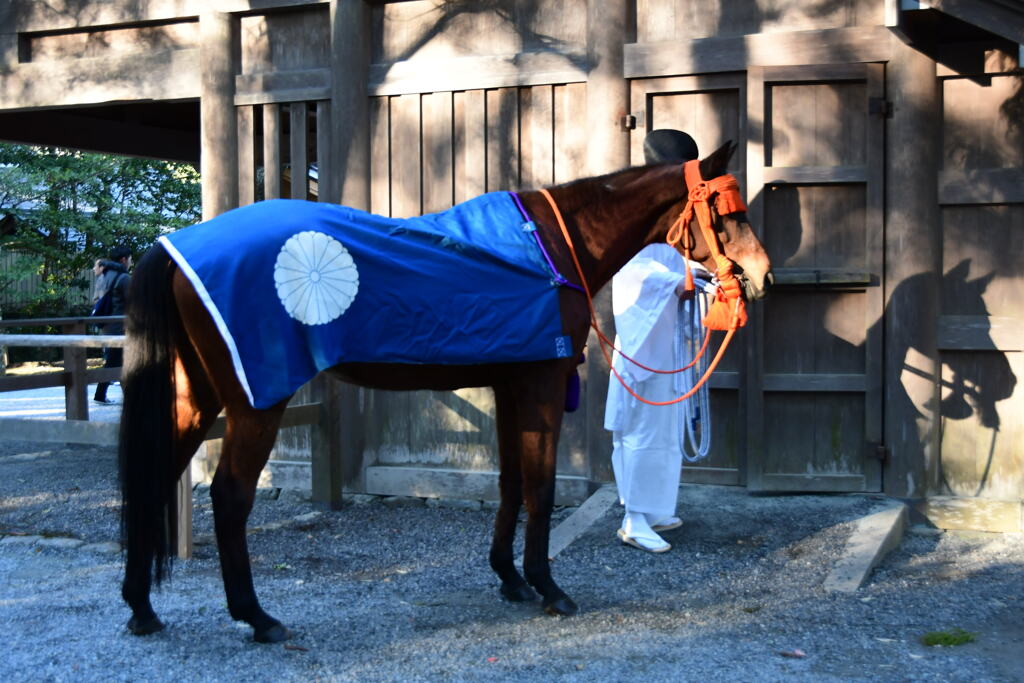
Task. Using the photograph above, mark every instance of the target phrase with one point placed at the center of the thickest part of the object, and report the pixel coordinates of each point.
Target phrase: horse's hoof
(143, 627)
(272, 634)
(517, 593)
(562, 607)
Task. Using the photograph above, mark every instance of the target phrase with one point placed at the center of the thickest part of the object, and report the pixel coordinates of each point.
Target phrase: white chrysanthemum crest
(316, 278)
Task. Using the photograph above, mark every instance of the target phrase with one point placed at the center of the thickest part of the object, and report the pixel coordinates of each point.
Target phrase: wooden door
(815, 179)
(712, 110)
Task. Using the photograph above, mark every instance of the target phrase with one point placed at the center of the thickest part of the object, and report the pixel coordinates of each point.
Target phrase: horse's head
(734, 235)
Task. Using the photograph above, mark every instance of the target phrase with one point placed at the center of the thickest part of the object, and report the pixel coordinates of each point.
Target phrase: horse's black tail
(146, 456)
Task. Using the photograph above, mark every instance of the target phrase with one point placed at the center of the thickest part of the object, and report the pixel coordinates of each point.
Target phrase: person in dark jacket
(115, 279)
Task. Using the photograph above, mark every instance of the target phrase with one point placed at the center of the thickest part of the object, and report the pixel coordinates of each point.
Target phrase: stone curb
(875, 536)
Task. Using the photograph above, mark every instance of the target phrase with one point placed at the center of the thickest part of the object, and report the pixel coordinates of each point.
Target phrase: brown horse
(179, 375)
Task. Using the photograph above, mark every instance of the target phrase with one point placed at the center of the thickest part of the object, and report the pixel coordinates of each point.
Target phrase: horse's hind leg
(247, 442)
(510, 483)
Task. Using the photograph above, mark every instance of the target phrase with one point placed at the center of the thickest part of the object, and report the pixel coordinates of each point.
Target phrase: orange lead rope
(728, 312)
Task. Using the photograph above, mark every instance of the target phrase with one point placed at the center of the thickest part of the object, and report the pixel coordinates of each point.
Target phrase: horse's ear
(717, 163)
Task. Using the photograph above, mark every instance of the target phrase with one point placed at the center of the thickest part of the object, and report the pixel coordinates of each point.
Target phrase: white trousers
(645, 453)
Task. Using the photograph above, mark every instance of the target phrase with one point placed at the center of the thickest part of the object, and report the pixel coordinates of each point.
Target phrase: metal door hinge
(880, 452)
(879, 106)
(628, 122)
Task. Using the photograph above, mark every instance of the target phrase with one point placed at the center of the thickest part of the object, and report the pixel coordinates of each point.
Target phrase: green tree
(68, 208)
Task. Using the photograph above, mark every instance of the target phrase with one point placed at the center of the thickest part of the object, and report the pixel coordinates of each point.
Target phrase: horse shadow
(969, 382)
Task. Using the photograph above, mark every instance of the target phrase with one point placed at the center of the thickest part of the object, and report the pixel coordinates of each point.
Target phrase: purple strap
(558, 278)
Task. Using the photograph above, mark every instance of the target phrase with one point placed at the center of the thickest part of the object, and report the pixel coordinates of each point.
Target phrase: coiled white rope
(695, 413)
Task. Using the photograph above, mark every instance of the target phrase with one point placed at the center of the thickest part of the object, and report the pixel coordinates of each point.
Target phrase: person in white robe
(646, 446)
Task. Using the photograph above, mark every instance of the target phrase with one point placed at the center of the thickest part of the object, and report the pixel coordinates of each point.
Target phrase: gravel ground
(402, 591)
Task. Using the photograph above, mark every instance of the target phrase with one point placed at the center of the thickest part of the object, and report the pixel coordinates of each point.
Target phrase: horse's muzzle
(751, 291)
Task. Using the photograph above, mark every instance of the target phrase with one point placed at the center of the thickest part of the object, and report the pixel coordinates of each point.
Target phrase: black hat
(668, 144)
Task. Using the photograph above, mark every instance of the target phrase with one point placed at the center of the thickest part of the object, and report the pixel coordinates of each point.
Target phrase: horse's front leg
(248, 439)
(539, 415)
(510, 484)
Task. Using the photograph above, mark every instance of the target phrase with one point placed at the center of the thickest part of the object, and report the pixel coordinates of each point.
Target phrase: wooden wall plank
(570, 132)
(406, 191)
(380, 156)
(536, 113)
(502, 139)
(470, 144)
(438, 168)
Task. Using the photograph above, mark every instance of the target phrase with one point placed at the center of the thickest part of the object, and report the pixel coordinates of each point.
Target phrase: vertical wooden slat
(299, 162)
(470, 144)
(272, 150)
(246, 156)
(438, 191)
(380, 156)
(570, 137)
(324, 164)
(874, 224)
(536, 112)
(406, 195)
(502, 139)
(752, 452)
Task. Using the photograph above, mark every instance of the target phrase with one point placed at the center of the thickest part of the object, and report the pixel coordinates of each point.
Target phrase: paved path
(48, 404)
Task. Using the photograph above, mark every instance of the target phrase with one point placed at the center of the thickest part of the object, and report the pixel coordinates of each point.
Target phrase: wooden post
(219, 132)
(218, 167)
(607, 150)
(913, 266)
(343, 163)
(76, 391)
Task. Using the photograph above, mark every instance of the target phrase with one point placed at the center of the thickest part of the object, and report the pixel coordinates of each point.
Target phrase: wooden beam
(814, 382)
(73, 341)
(1002, 17)
(164, 75)
(60, 431)
(981, 186)
(980, 333)
(69, 128)
(476, 73)
(710, 55)
(468, 484)
(778, 175)
(283, 86)
(32, 15)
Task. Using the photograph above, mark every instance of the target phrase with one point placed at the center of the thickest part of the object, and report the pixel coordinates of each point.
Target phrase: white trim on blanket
(204, 296)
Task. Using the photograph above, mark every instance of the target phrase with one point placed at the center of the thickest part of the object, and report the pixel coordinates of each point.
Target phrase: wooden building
(881, 152)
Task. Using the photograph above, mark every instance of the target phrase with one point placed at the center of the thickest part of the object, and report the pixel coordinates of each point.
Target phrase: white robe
(646, 456)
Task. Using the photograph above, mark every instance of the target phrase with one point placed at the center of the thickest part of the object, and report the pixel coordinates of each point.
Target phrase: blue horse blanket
(296, 287)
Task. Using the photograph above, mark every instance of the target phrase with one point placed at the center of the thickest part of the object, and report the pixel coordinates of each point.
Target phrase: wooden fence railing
(76, 377)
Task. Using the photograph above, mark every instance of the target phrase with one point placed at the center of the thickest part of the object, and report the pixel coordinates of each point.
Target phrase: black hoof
(562, 607)
(143, 627)
(272, 634)
(517, 593)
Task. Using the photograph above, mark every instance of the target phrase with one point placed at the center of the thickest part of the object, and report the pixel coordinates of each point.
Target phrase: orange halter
(728, 200)
(729, 310)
